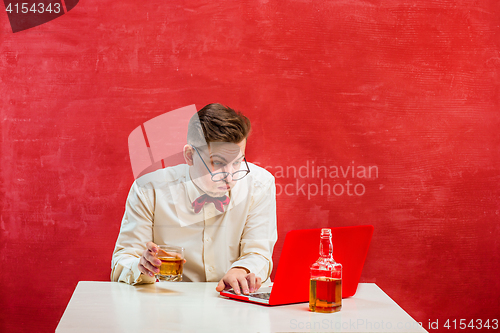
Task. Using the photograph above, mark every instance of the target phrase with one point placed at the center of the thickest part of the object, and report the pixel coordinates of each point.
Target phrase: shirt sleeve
(260, 233)
(135, 232)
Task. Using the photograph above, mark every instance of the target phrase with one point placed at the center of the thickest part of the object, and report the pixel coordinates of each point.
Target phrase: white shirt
(159, 209)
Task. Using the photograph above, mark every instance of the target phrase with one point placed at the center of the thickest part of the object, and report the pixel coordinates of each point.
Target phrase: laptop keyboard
(261, 295)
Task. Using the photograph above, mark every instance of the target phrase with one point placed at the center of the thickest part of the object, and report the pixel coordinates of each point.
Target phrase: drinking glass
(172, 261)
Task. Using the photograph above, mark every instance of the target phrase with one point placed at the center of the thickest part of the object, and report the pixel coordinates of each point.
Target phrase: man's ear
(188, 153)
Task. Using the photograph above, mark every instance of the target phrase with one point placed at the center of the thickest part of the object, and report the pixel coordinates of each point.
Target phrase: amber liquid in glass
(325, 295)
(171, 268)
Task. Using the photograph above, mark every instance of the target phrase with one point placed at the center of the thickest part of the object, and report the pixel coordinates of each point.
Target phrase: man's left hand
(239, 279)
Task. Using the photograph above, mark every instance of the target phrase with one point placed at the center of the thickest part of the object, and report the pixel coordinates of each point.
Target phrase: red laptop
(300, 251)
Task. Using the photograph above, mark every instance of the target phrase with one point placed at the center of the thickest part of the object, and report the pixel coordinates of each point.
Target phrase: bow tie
(219, 202)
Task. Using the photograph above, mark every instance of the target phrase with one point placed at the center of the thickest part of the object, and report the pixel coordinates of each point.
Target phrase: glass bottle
(325, 288)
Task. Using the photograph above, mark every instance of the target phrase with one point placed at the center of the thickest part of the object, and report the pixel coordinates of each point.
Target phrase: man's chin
(218, 193)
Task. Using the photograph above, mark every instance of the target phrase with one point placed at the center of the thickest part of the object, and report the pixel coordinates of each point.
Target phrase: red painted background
(411, 87)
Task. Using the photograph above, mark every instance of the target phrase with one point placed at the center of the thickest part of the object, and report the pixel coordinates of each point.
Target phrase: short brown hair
(217, 123)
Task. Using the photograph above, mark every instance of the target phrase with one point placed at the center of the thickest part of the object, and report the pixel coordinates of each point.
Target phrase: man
(217, 206)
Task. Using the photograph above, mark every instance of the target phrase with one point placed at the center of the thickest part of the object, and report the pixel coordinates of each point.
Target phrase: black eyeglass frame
(223, 172)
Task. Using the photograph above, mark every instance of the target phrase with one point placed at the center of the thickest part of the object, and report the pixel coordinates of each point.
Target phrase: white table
(197, 307)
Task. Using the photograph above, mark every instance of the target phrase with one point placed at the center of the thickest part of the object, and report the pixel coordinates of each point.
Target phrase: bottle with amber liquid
(325, 288)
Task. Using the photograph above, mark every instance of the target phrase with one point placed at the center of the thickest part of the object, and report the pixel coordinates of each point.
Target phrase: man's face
(218, 157)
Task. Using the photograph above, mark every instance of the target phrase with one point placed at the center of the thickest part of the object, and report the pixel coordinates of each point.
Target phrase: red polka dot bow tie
(219, 202)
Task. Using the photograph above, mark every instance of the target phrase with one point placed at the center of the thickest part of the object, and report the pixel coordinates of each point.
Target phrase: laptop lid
(301, 250)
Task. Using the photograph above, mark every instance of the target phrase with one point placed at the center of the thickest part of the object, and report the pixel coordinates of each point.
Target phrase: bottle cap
(326, 232)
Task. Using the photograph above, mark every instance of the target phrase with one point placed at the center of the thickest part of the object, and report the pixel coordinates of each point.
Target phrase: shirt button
(210, 269)
(207, 239)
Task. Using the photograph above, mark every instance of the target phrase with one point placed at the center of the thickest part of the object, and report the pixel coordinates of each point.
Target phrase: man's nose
(229, 177)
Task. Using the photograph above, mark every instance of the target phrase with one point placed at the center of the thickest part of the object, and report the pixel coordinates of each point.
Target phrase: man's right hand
(149, 264)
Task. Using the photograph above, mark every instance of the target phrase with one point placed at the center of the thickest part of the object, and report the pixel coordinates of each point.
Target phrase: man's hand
(239, 279)
(149, 264)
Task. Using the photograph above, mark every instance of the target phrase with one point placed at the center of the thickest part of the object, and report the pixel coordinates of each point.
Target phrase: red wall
(408, 87)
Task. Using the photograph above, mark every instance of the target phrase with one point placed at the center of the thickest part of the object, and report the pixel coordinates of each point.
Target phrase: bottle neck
(326, 247)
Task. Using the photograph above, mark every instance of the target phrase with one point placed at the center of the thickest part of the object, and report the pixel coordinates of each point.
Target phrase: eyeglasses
(220, 176)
